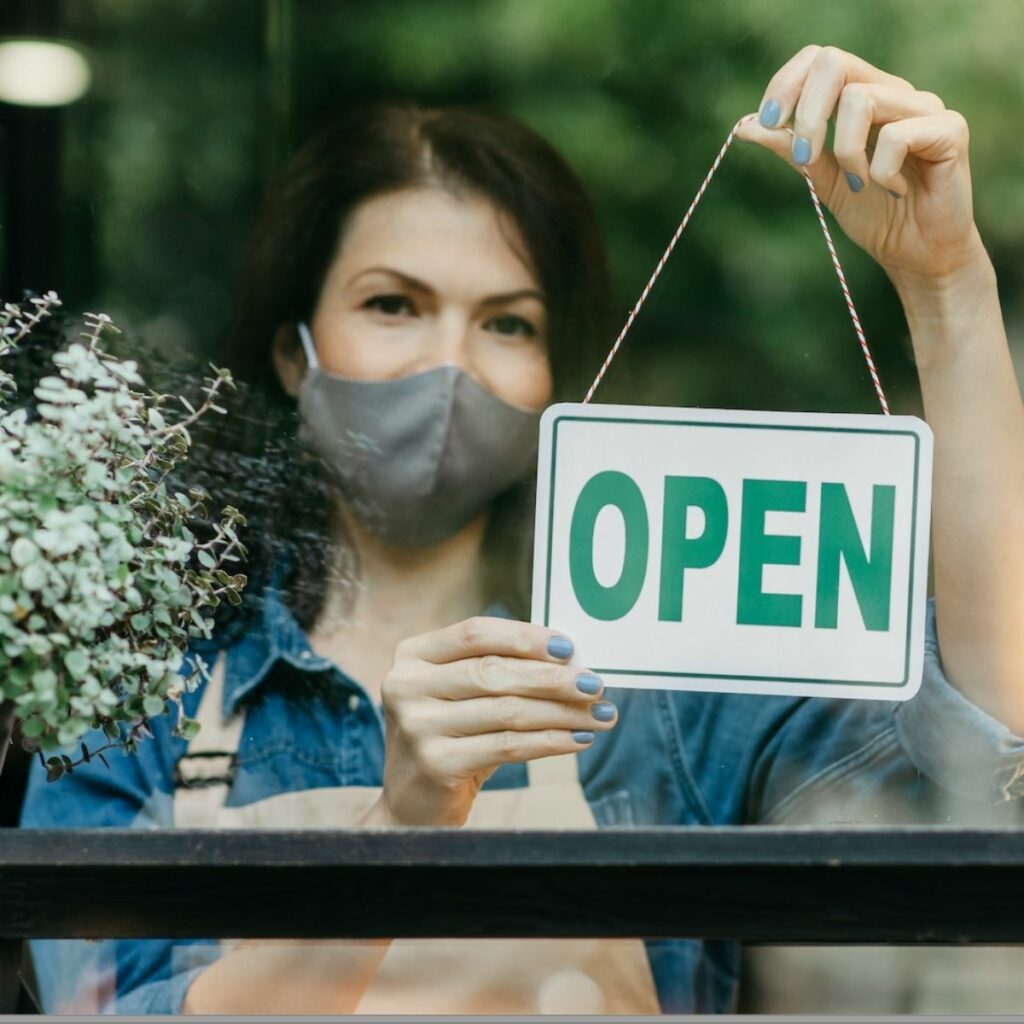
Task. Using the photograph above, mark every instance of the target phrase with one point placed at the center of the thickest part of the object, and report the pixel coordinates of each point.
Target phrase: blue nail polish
(583, 737)
(587, 683)
(560, 647)
(854, 182)
(603, 711)
(801, 150)
(769, 116)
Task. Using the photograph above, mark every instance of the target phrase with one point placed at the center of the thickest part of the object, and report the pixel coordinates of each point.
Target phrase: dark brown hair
(365, 153)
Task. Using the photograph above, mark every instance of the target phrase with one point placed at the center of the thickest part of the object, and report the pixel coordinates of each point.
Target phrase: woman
(426, 270)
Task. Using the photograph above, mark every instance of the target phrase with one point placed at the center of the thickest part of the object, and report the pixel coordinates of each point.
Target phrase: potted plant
(103, 575)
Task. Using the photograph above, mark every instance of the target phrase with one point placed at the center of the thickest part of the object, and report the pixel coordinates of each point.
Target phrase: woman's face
(424, 278)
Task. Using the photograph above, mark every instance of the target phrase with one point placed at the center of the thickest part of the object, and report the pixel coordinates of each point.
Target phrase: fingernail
(603, 711)
(854, 182)
(588, 683)
(801, 150)
(560, 647)
(769, 116)
(583, 737)
(895, 195)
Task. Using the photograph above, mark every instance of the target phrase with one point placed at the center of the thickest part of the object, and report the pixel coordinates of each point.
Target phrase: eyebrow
(418, 285)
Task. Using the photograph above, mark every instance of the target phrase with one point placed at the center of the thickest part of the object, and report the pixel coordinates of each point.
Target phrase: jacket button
(353, 702)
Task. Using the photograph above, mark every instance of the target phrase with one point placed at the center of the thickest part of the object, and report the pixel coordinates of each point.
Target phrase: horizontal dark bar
(848, 885)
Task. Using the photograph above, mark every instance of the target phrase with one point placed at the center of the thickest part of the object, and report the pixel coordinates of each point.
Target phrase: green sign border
(741, 426)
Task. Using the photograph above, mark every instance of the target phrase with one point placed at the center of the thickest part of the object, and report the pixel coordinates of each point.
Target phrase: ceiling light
(42, 73)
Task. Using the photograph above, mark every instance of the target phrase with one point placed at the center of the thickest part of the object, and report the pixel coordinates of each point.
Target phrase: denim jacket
(674, 758)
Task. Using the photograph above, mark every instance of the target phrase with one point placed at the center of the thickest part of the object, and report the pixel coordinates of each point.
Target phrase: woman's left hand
(897, 180)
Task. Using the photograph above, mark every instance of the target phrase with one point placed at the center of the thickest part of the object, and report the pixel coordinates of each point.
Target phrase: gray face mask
(418, 457)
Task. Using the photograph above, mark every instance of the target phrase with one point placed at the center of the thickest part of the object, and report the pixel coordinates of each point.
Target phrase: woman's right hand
(460, 701)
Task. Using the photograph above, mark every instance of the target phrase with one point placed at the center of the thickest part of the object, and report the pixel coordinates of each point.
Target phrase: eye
(512, 326)
(394, 304)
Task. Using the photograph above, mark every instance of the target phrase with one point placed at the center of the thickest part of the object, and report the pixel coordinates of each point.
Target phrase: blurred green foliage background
(198, 101)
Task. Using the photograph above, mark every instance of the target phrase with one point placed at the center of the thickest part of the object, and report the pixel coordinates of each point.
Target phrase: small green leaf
(33, 727)
(188, 728)
(44, 681)
(153, 705)
(71, 731)
(76, 661)
(207, 560)
(133, 706)
(23, 552)
(33, 576)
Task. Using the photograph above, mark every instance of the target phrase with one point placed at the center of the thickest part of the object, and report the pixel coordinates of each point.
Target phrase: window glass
(388, 278)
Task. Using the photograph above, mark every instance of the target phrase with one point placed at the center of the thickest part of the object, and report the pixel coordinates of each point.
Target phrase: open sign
(773, 553)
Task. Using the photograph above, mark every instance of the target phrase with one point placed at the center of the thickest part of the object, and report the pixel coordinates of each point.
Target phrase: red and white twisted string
(858, 329)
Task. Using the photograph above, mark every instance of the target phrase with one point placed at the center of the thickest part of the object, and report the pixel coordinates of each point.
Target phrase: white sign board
(743, 552)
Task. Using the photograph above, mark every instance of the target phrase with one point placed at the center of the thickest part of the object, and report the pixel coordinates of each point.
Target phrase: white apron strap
(559, 770)
(203, 774)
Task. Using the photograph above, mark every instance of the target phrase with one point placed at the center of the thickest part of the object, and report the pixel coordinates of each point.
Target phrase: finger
(467, 755)
(935, 139)
(779, 99)
(864, 105)
(829, 73)
(483, 715)
(484, 635)
(494, 675)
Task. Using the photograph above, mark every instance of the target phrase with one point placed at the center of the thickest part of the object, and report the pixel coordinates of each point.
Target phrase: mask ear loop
(858, 330)
(307, 343)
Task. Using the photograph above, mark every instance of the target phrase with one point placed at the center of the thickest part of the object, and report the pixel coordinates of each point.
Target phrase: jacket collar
(275, 635)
